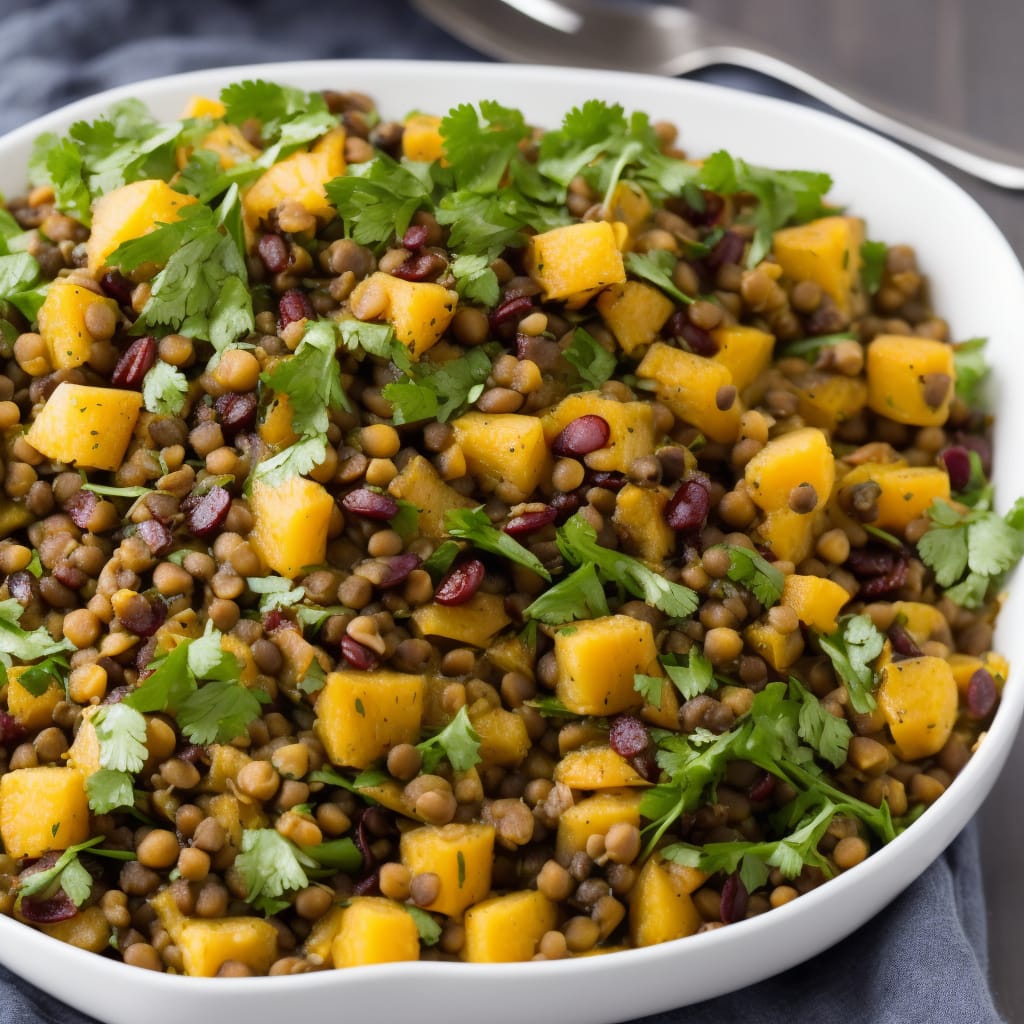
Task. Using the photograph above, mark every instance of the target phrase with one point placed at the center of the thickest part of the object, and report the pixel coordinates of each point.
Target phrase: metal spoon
(659, 39)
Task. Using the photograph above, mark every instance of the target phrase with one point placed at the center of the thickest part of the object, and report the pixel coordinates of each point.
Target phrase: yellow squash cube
(421, 138)
(907, 492)
(506, 929)
(640, 523)
(88, 930)
(460, 856)
(790, 535)
(503, 737)
(62, 322)
(800, 457)
(744, 351)
(779, 649)
(918, 697)
(575, 260)
(910, 380)
(419, 311)
(597, 660)
(630, 426)
(660, 906)
(597, 768)
(503, 447)
(362, 715)
(816, 600)
(593, 817)
(207, 945)
(318, 943)
(826, 251)
(629, 205)
(419, 484)
(87, 426)
(473, 622)
(689, 385)
(27, 710)
(203, 106)
(289, 530)
(42, 809)
(634, 312)
(131, 212)
(375, 930)
(923, 622)
(828, 399)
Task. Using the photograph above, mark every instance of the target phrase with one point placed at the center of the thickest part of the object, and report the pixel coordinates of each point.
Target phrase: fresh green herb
(437, 391)
(373, 339)
(761, 578)
(474, 525)
(970, 551)
(428, 928)
(406, 523)
(593, 362)
(872, 255)
(108, 790)
(656, 267)
(35, 566)
(313, 618)
(287, 116)
(19, 273)
(37, 678)
(362, 781)
(121, 735)
(28, 646)
(164, 389)
(852, 648)
(650, 688)
(311, 379)
(275, 592)
(457, 741)
(480, 143)
(971, 370)
(828, 735)
(219, 711)
(117, 492)
(313, 679)
(336, 854)
(68, 873)
(550, 707)
(442, 559)
(475, 281)
(884, 537)
(783, 197)
(579, 596)
(577, 541)
(809, 348)
(692, 674)
(270, 866)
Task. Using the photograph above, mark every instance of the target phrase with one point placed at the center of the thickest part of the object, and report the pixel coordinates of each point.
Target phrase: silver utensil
(666, 40)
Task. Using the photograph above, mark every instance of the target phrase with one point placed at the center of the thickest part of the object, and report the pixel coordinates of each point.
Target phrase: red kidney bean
(510, 310)
(687, 509)
(157, 536)
(957, 461)
(136, 361)
(733, 907)
(371, 504)
(762, 789)
(728, 249)
(420, 266)
(293, 306)
(58, 907)
(606, 480)
(275, 620)
(903, 643)
(70, 575)
(11, 732)
(871, 561)
(698, 340)
(80, 507)
(398, 569)
(982, 694)
(976, 443)
(528, 522)
(564, 504)
(628, 736)
(713, 205)
(193, 753)
(415, 237)
(274, 252)
(879, 586)
(207, 514)
(357, 655)
(460, 583)
(142, 615)
(237, 411)
(646, 765)
(581, 436)
(117, 286)
(22, 586)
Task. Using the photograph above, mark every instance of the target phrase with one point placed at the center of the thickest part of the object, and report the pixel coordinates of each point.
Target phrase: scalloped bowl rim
(913, 202)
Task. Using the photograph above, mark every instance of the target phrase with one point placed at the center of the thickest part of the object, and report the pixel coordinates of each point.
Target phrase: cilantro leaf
(27, 646)
(218, 711)
(593, 362)
(441, 560)
(692, 676)
(579, 596)
(480, 224)
(475, 526)
(37, 678)
(872, 256)
(428, 928)
(270, 866)
(207, 659)
(167, 685)
(275, 592)
(760, 577)
(851, 648)
(457, 741)
(287, 115)
(438, 391)
(108, 790)
(809, 348)
(577, 541)
(375, 339)
(164, 389)
(656, 267)
(18, 273)
(480, 143)
(828, 735)
(475, 281)
(121, 734)
(971, 370)
(67, 873)
(649, 687)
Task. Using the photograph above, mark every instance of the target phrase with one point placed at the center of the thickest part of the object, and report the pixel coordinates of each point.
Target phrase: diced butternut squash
(228, 142)
(27, 710)
(826, 251)
(923, 622)
(503, 737)
(511, 654)
(128, 212)
(419, 484)
(906, 491)
(790, 535)
(597, 768)
(84, 425)
(318, 943)
(597, 660)
(634, 312)
(275, 428)
(473, 622)
(815, 599)
(640, 523)
(827, 400)
(421, 138)
(362, 715)
(744, 351)
(779, 649)
(910, 379)
(375, 930)
(630, 426)
(206, 945)
(800, 457)
(689, 385)
(630, 205)
(42, 809)
(84, 752)
(593, 817)
(88, 930)
(299, 178)
(965, 665)
(62, 322)
(660, 906)
(460, 856)
(419, 311)
(506, 929)
(574, 261)
(503, 447)
(289, 530)
(918, 697)
(203, 106)
(225, 764)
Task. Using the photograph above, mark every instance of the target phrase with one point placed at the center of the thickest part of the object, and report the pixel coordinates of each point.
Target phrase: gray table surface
(959, 61)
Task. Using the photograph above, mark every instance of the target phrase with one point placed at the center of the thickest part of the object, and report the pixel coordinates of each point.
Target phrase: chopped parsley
(656, 268)
(580, 595)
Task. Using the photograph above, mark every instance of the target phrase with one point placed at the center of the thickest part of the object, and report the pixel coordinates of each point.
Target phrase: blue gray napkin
(924, 959)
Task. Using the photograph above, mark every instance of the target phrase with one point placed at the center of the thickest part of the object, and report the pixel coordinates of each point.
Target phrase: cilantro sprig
(436, 390)
(458, 741)
(27, 646)
(475, 526)
(68, 873)
(852, 648)
(758, 575)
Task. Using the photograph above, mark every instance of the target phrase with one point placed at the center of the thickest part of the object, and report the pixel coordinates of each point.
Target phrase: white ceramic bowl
(978, 286)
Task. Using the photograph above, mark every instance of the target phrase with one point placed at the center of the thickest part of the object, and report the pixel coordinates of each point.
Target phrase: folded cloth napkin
(923, 959)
